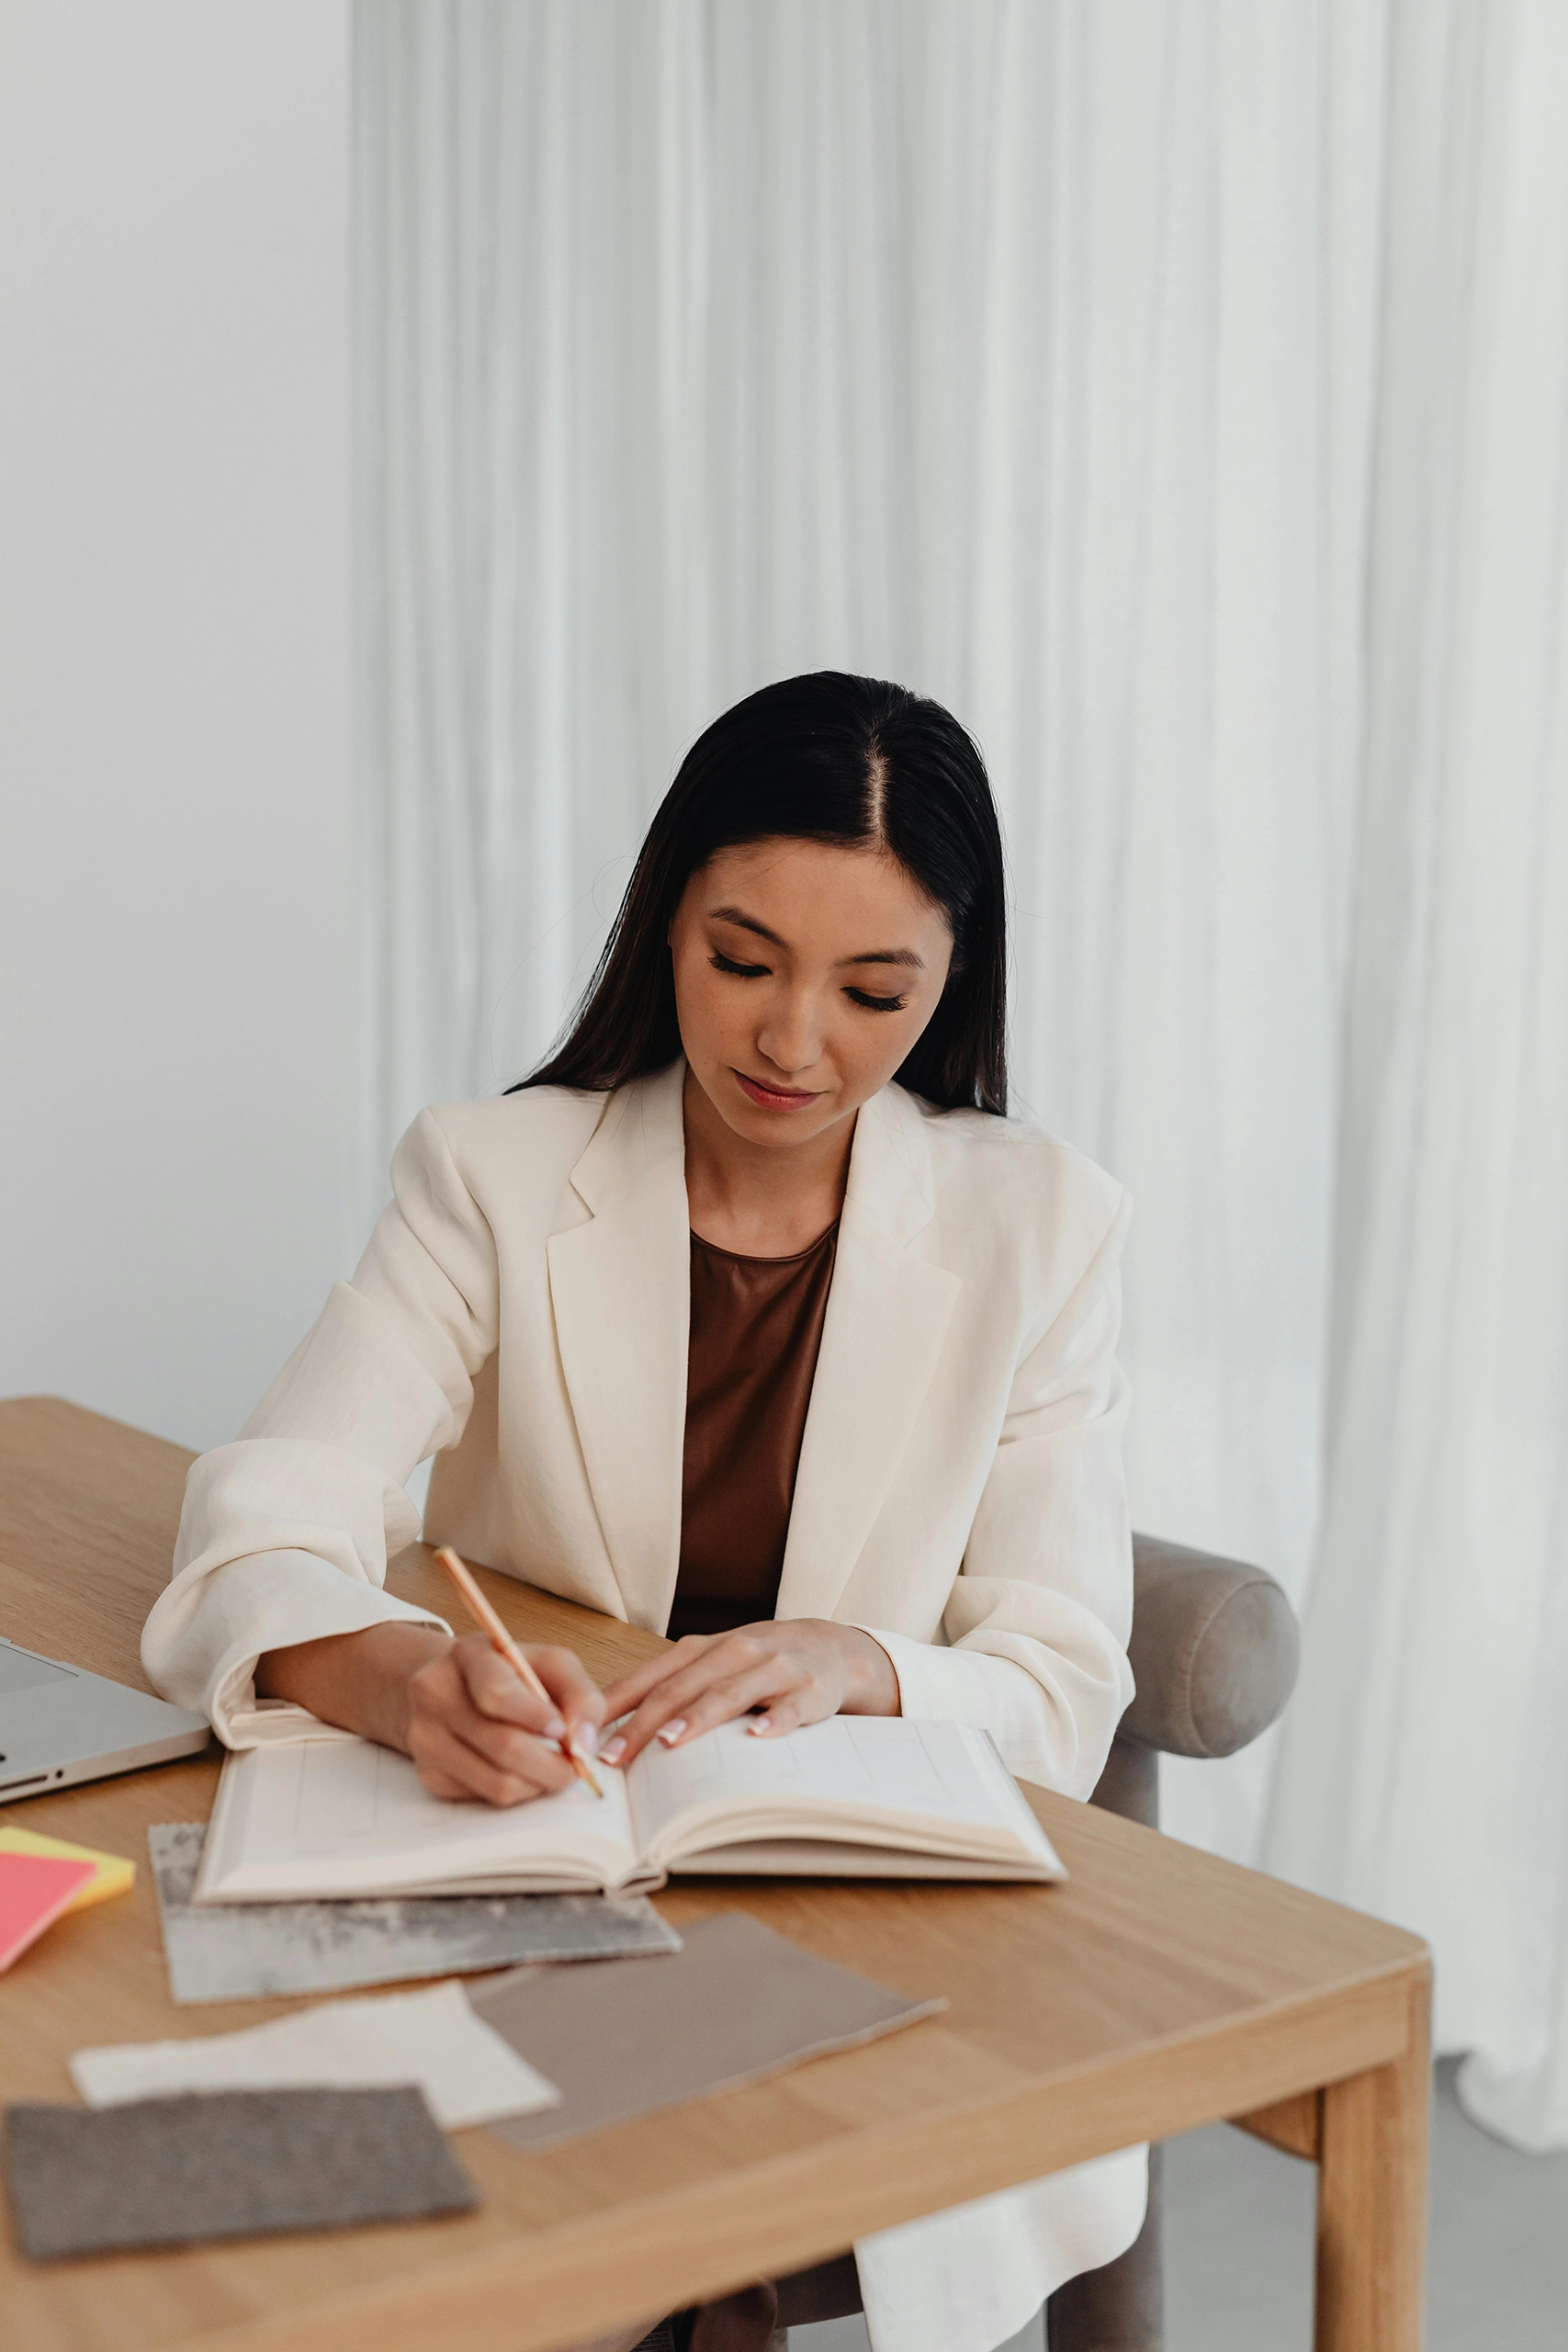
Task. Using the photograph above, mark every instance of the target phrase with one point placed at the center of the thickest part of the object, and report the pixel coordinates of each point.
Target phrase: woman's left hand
(783, 1672)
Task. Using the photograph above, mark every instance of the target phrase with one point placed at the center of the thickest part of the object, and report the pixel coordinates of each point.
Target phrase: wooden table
(1158, 1990)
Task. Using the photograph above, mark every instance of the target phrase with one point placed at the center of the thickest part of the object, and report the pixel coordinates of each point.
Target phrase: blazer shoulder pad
(1028, 1175)
(543, 1129)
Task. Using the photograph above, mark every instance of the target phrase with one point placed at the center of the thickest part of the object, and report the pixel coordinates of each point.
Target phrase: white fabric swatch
(468, 2074)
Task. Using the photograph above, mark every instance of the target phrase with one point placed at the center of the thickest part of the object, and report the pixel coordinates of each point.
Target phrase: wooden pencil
(502, 1642)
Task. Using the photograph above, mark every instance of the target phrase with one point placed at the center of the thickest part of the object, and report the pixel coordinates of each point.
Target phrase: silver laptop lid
(60, 1725)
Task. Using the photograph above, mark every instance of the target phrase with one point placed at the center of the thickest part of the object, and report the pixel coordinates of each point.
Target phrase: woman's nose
(789, 1036)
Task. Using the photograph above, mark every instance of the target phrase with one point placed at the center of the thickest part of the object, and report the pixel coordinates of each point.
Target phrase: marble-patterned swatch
(249, 1951)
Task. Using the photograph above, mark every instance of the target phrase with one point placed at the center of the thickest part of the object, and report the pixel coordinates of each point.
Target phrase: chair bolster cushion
(1213, 1651)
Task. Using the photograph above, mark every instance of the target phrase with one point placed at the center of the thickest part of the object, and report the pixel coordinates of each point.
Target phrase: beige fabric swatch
(620, 2037)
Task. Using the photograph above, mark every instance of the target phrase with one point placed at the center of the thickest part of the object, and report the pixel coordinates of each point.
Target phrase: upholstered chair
(1214, 1652)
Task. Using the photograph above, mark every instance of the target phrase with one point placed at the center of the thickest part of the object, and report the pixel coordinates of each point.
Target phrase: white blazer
(521, 1313)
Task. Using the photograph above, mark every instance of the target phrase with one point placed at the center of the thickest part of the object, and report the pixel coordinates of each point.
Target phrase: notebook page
(927, 1771)
(343, 1816)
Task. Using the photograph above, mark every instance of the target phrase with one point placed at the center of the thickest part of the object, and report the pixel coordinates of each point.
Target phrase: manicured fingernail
(758, 1724)
(555, 1728)
(614, 1750)
(585, 1740)
(671, 1732)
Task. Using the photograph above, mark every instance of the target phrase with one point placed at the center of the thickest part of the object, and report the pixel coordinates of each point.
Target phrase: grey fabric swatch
(247, 1952)
(230, 2163)
(736, 2004)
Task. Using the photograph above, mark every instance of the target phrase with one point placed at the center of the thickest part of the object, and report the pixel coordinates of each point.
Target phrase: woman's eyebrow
(904, 955)
(744, 922)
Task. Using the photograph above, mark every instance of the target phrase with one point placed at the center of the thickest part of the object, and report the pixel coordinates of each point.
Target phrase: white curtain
(981, 344)
(1177, 388)
(1425, 1773)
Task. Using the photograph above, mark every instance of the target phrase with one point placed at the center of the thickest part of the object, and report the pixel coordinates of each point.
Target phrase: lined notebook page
(309, 1811)
(353, 1796)
(937, 1771)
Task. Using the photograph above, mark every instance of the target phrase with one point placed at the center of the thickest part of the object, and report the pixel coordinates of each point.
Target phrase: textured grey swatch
(249, 1951)
(226, 2163)
(737, 2005)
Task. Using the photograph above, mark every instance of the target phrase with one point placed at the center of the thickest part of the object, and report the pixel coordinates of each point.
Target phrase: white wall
(175, 953)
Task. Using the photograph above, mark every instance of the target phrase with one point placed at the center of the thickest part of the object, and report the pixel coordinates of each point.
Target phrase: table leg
(1372, 2199)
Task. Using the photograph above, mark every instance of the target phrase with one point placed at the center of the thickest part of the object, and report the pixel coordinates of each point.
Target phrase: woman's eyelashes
(862, 997)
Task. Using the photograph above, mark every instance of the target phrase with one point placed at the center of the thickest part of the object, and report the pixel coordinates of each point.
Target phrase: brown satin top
(756, 1328)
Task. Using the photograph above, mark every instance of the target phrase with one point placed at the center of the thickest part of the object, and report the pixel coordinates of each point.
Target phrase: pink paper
(34, 1890)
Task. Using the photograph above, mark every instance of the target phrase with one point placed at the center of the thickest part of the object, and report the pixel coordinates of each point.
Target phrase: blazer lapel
(887, 1317)
(620, 1287)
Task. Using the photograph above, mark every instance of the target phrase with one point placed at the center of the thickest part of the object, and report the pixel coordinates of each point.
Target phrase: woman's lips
(773, 1098)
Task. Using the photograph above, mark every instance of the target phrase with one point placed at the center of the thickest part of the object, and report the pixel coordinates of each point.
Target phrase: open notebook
(857, 1796)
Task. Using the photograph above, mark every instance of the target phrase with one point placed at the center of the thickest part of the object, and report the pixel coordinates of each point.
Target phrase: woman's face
(804, 974)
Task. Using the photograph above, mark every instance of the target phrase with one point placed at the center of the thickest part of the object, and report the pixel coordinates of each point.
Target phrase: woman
(750, 1316)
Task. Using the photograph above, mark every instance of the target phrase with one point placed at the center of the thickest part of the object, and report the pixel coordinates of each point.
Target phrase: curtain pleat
(1425, 1771)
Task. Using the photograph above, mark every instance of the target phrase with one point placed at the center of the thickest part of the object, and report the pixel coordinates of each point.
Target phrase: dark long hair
(823, 758)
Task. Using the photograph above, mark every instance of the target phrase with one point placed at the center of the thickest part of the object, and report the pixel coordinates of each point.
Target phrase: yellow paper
(112, 1875)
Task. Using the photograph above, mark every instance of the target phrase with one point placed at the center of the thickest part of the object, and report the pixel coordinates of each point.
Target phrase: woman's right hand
(472, 1727)
(474, 1730)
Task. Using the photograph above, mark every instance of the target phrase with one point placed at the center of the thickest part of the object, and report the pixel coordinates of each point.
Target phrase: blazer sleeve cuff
(268, 1600)
(967, 1687)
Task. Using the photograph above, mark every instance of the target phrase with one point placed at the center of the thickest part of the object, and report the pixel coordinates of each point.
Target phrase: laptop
(60, 1725)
